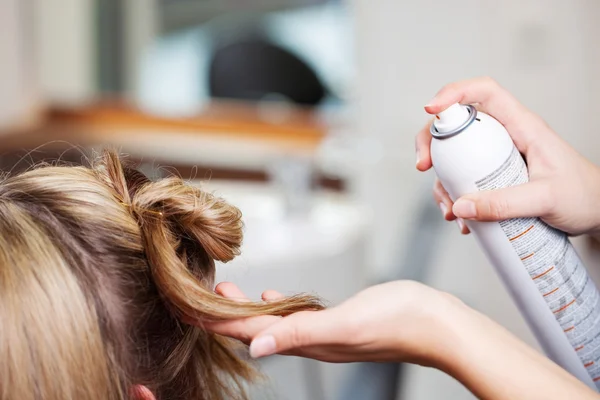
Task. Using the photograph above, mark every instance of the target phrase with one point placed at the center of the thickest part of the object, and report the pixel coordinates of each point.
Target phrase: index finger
(231, 291)
(243, 329)
(493, 100)
(302, 329)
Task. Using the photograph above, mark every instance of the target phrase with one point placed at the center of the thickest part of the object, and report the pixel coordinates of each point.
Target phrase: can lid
(453, 120)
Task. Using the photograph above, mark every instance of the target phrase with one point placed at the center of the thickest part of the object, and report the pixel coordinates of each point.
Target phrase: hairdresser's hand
(396, 321)
(564, 187)
(407, 321)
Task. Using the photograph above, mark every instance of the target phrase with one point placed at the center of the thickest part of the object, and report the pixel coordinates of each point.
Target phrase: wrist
(448, 342)
(472, 339)
(457, 321)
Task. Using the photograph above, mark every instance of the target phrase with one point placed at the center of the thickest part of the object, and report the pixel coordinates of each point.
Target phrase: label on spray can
(555, 267)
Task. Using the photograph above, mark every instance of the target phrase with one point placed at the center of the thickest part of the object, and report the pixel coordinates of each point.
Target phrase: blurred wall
(66, 46)
(141, 28)
(543, 51)
(18, 86)
(46, 55)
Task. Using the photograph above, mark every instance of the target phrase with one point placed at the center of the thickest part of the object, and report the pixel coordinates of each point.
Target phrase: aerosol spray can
(471, 151)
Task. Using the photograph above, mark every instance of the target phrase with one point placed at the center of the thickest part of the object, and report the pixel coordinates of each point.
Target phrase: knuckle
(450, 87)
(243, 332)
(498, 208)
(490, 82)
(547, 199)
(296, 337)
(491, 86)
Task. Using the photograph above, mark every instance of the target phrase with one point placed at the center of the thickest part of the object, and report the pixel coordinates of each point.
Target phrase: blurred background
(303, 114)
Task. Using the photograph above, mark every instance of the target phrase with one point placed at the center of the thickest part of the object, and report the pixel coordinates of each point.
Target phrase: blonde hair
(98, 268)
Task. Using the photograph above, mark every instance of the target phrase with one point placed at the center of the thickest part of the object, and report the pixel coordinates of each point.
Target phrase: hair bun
(215, 224)
(183, 230)
(198, 215)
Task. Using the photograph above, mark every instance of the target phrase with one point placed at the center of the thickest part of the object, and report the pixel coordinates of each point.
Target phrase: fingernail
(461, 224)
(444, 209)
(418, 158)
(464, 209)
(262, 346)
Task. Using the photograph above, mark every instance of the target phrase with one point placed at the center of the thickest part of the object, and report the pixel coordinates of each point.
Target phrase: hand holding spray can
(471, 151)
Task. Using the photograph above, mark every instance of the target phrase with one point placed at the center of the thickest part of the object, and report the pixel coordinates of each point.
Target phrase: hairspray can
(471, 151)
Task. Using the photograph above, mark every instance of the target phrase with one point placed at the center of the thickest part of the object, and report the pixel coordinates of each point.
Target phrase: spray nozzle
(451, 118)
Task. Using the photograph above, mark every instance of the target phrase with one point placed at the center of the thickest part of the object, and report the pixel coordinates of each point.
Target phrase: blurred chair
(256, 69)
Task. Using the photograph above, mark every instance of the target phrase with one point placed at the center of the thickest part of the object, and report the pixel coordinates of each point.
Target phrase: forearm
(495, 365)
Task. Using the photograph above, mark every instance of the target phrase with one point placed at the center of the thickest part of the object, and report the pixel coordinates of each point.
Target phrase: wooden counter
(225, 140)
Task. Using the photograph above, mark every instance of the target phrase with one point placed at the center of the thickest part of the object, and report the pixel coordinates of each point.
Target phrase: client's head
(99, 267)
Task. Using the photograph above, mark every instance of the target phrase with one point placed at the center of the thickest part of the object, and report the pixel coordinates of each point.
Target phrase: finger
(306, 328)
(422, 147)
(491, 97)
(528, 200)
(243, 329)
(462, 227)
(494, 100)
(231, 291)
(271, 295)
(226, 289)
(443, 200)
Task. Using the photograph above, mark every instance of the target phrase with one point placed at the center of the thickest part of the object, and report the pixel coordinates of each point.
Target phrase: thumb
(527, 200)
(306, 328)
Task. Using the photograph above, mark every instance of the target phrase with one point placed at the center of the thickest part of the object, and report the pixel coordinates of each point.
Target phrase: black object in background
(255, 69)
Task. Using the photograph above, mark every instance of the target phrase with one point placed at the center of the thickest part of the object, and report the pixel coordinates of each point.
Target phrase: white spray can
(471, 151)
